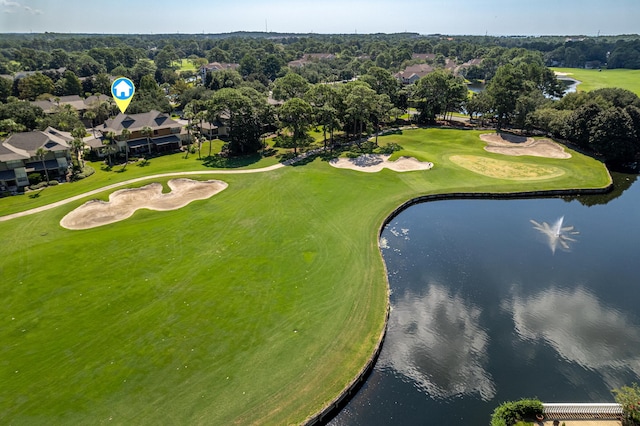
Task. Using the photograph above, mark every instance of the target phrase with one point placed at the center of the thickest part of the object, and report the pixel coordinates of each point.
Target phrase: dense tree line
(605, 121)
(91, 54)
(520, 88)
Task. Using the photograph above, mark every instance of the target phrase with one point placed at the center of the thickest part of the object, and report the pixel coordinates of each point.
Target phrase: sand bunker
(504, 143)
(372, 163)
(124, 202)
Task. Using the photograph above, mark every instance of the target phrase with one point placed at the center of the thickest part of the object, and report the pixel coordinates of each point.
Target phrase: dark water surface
(489, 306)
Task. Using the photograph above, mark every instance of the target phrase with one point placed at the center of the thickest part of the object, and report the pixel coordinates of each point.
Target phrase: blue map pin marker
(122, 90)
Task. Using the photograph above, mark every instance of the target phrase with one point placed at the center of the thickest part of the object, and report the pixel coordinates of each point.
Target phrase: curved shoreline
(495, 196)
(333, 407)
(343, 398)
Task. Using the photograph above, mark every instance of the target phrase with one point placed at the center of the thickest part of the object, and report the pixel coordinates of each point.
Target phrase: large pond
(570, 85)
(495, 300)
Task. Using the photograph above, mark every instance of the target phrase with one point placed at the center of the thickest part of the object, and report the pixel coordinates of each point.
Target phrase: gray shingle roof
(29, 142)
(217, 66)
(78, 103)
(154, 119)
(9, 153)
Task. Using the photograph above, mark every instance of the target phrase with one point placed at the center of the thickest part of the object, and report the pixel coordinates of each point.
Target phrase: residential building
(213, 130)
(216, 66)
(413, 73)
(166, 134)
(18, 156)
(81, 105)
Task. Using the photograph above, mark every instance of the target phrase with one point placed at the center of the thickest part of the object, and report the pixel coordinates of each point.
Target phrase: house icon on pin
(122, 90)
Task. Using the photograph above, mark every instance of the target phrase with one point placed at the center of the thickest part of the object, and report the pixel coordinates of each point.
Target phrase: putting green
(500, 169)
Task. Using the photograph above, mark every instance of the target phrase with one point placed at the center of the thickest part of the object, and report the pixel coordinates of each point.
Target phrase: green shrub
(368, 147)
(389, 148)
(279, 142)
(510, 412)
(629, 398)
(34, 178)
(268, 152)
(53, 182)
(37, 186)
(287, 156)
(86, 172)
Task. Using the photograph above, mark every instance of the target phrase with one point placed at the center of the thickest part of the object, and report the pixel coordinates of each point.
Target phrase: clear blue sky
(495, 17)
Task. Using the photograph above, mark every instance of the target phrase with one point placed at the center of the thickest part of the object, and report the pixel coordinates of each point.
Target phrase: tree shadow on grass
(289, 159)
(222, 162)
(391, 132)
(143, 163)
(303, 161)
(36, 194)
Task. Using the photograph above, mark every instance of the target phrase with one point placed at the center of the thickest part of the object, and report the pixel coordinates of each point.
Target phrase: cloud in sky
(32, 10)
(15, 7)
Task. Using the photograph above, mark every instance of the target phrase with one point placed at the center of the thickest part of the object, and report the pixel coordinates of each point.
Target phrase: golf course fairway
(258, 305)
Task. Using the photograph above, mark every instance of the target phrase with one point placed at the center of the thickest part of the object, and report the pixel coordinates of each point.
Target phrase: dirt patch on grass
(507, 144)
(124, 202)
(372, 163)
(500, 169)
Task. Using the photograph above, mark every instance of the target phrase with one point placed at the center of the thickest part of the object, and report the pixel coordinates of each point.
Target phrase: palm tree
(91, 115)
(109, 139)
(210, 117)
(200, 116)
(77, 143)
(41, 153)
(124, 136)
(189, 114)
(201, 140)
(147, 131)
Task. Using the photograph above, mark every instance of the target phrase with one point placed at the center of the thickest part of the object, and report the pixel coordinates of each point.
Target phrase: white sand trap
(506, 144)
(372, 163)
(124, 202)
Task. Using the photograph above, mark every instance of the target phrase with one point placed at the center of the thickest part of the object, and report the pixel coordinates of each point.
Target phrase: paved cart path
(140, 179)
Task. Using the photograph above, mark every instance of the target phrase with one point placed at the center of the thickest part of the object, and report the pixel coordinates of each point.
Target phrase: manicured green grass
(439, 145)
(257, 305)
(103, 177)
(184, 65)
(594, 79)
